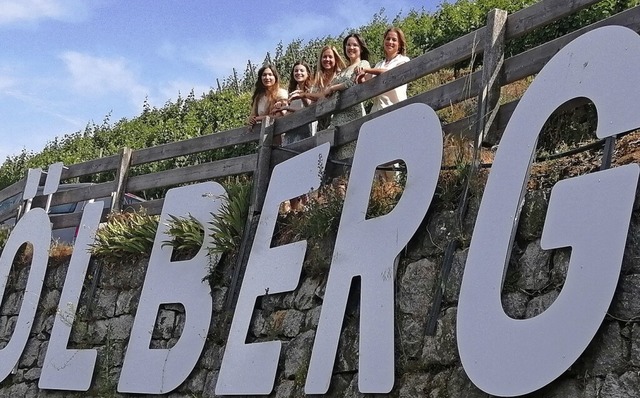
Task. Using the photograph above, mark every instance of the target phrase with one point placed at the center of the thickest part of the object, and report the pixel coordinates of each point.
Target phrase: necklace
(389, 61)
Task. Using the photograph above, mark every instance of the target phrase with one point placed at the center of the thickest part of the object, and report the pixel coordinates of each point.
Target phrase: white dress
(392, 96)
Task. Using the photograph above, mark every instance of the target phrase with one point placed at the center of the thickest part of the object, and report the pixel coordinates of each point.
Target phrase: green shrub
(4, 236)
(320, 216)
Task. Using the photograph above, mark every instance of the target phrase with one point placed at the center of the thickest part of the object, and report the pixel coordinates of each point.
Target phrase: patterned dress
(347, 77)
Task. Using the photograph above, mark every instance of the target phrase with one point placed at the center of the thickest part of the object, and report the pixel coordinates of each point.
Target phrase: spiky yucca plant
(125, 235)
(228, 225)
(187, 233)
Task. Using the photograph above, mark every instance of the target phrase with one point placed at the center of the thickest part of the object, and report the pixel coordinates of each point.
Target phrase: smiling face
(328, 59)
(268, 78)
(352, 49)
(391, 44)
(300, 73)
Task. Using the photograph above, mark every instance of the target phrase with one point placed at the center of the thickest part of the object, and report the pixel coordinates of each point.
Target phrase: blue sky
(66, 63)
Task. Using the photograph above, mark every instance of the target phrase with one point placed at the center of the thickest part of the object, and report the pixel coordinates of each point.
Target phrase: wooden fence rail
(490, 118)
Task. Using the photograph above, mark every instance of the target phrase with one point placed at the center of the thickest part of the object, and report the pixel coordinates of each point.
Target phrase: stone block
(533, 268)
(416, 287)
(442, 348)
(297, 356)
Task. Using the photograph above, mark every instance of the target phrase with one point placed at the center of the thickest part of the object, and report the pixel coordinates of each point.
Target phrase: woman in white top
(265, 95)
(395, 48)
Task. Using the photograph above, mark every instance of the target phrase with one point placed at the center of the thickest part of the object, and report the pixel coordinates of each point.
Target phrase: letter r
(369, 248)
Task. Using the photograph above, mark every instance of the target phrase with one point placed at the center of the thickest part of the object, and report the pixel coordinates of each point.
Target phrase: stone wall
(426, 365)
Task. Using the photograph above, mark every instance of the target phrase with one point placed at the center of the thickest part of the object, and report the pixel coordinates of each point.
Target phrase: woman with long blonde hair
(330, 63)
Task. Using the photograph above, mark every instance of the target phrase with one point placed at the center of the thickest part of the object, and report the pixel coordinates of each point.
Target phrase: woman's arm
(333, 88)
(308, 96)
(302, 96)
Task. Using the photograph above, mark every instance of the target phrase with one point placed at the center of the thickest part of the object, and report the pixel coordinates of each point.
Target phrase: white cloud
(100, 76)
(14, 11)
(42, 105)
(6, 82)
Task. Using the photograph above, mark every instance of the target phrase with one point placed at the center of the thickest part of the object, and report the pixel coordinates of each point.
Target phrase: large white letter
(65, 369)
(368, 248)
(509, 357)
(157, 371)
(33, 227)
(251, 368)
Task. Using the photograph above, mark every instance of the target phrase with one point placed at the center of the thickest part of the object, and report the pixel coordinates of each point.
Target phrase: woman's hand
(296, 94)
(253, 120)
(361, 75)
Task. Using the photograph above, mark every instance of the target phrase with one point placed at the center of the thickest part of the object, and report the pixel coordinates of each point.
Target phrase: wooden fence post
(488, 102)
(489, 97)
(493, 58)
(122, 174)
(258, 193)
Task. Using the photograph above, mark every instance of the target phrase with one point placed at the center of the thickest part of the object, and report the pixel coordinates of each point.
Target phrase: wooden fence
(485, 125)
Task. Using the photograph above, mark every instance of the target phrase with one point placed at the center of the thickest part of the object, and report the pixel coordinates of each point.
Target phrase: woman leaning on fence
(266, 94)
(300, 83)
(394, 46)
(356, 51)
(330, 64)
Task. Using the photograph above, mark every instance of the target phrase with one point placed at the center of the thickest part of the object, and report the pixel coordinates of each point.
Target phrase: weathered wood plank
(13, 189)
(72, 220)
(95, 191)
(151, 207)
(542, 13)
(259, 187)
(94, 166)
(194, 145)
(200, 172)
(9, 213)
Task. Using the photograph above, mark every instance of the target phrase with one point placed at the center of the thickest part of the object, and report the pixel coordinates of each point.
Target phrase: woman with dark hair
(301, 79)
(356, 51)
(394, 46)
(300, 83)
(266, 94)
